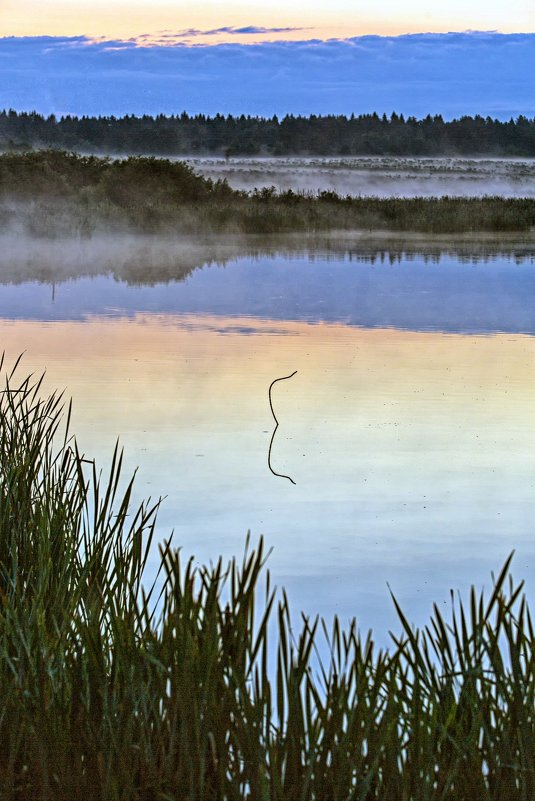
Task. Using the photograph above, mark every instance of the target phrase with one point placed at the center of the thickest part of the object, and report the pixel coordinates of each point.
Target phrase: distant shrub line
(52, 193)
(366, 134)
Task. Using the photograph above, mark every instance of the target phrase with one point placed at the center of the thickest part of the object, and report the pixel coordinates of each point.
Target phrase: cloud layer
(192, 36)
(452, 74)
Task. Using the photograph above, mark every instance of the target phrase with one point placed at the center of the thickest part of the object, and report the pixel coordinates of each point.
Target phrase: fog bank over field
(54, 194)
(382, 176)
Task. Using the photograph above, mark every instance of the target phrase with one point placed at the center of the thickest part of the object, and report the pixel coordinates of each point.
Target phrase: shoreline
(59, 195)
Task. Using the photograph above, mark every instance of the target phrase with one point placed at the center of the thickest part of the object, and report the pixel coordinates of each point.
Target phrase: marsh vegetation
(60, 194)
(201, 684)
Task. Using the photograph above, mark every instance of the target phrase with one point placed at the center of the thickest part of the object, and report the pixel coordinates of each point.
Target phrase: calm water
(407, 429)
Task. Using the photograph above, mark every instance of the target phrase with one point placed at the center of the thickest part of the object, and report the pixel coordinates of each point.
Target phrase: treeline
(53, 193)
(367, 134)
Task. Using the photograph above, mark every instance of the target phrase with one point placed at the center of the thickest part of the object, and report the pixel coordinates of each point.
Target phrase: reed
(56, 194)
(197, 686)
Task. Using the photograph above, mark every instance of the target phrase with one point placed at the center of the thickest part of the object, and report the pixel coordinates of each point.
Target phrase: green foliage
(112, 688)
(63, 194)
(65, 175)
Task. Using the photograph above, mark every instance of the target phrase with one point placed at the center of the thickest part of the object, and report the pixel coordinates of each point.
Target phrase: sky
(304, 57)
(316, 18)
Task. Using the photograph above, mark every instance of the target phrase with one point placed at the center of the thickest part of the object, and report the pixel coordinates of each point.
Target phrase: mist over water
(376, 285)
(149, 259)
(407, 427)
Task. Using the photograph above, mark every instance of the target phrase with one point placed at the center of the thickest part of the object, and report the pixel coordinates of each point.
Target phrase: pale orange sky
(339, 18)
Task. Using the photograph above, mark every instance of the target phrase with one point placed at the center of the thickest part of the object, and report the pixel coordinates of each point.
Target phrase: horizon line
(196, 38)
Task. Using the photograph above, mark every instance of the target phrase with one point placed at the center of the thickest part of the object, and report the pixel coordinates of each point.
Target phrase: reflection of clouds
(267, 295)
(393, 435)
(452, 74)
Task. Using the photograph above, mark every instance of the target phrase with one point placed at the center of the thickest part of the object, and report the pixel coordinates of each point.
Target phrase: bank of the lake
(53, 194)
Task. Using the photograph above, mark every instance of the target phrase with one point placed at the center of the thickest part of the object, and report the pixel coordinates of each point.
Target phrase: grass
(56, 194)
(116, 688)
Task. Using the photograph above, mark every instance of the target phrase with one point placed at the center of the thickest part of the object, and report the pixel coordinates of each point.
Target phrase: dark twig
(284, 378)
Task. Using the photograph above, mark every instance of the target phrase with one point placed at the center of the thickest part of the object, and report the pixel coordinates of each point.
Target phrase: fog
(382, 176)
(147, 260)
(135, 258)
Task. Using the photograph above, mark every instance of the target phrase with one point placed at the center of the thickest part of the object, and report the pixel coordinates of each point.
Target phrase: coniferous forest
(363, 135)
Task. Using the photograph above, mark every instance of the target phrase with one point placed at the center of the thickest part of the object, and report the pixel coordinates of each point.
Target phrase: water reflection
(411, 445)
(412, 293)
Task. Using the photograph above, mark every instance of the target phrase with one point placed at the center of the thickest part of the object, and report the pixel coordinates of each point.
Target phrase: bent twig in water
(284, 378)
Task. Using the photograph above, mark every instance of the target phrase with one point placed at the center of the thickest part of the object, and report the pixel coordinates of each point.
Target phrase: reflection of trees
(144, 260)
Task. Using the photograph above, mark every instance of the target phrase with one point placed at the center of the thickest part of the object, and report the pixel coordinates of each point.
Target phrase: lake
(407, 428)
